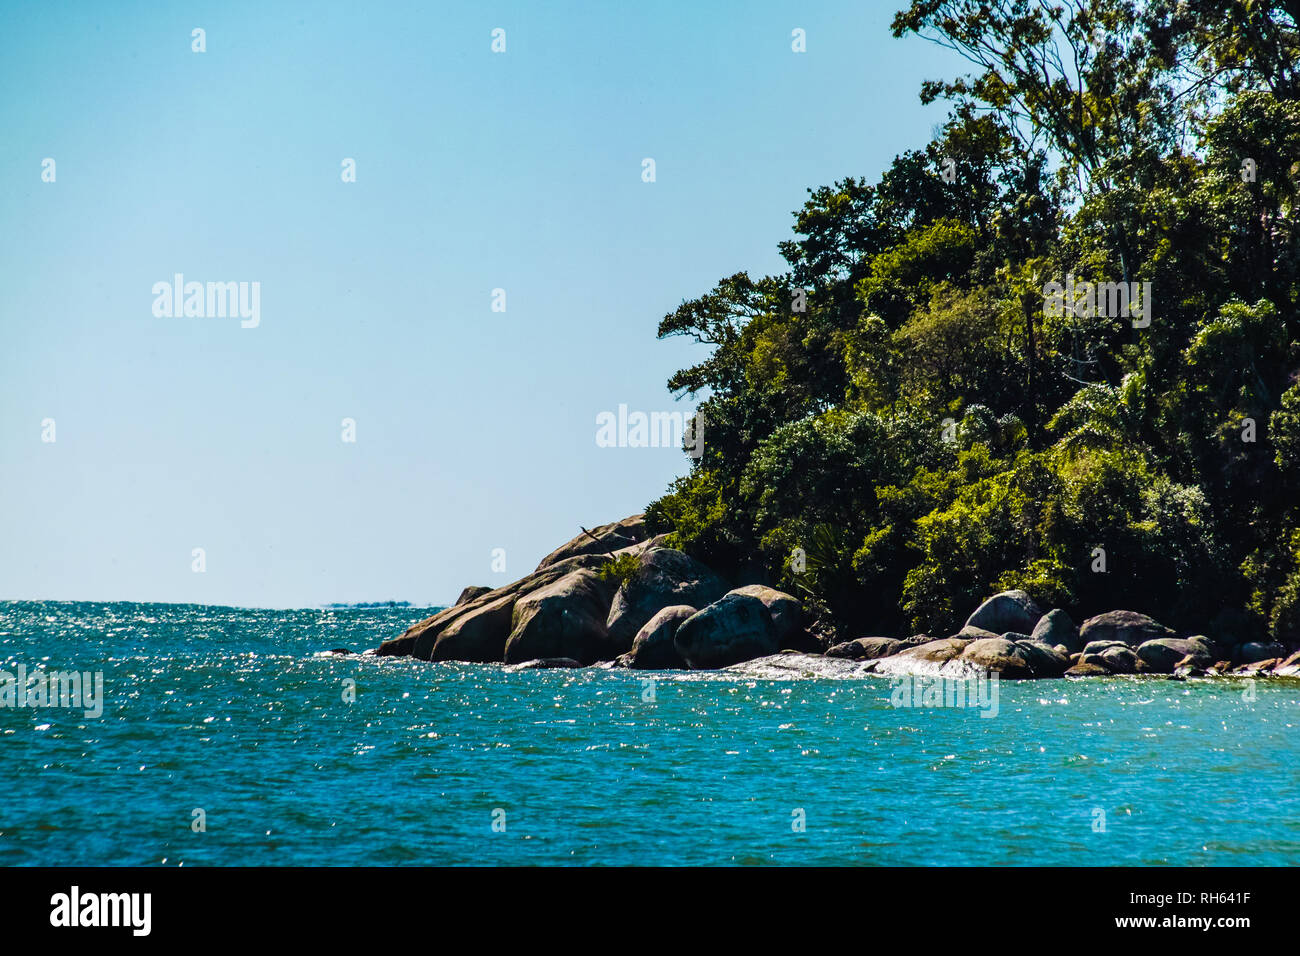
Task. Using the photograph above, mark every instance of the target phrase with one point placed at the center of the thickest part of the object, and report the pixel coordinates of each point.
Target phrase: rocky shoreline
(617, 597)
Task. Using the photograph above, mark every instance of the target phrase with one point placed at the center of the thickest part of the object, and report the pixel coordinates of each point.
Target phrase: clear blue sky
(475, 429)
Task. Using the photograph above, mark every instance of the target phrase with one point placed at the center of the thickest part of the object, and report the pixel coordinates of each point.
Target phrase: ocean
(227, 738)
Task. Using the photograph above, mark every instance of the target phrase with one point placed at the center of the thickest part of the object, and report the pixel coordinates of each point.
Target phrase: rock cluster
(671, 611)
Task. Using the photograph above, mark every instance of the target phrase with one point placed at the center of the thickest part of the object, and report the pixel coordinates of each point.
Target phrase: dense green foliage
(923, 428)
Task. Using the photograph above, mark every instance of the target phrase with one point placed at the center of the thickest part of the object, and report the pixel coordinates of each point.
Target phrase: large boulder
(477, 635)
(1127, 627)
(566, 618)
(1117, 659)
(784, 609)
(1015, 659)
(736, 628)
(663, 578)
(420, 638)
(866, 648)
(1256, 651)
(1007, 611)
(1055, 628)
(1043, 661)
(997, 654)
(605, 539)
(1164, 654)
(653, 647)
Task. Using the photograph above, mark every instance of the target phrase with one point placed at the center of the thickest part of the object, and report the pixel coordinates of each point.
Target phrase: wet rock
(926, 659)
(997, 654)
(1258, 667)
(866, 648)
(543, 663)
(1087, 670)
(793, 665)
(1289, 667)
(1193, 665)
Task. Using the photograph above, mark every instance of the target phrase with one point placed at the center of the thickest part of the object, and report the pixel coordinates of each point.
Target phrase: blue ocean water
(235, 712)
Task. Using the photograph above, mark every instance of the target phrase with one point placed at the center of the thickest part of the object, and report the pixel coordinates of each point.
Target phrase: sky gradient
(475, 429)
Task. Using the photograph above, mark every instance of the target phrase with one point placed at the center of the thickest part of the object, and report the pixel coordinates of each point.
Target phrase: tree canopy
(903, 408)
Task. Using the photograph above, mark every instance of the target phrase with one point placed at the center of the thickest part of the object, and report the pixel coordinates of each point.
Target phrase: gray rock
(1255, 651)
(1192, 666)
(1006, 611)
(784, 609)
(543, 663)
(1164, 654)
(1096, 647)
(866, 648)
(972, 633)
(563, 619)
(930, 658)
(480, 640)
(653, 647)
(1128, 627)
(1117, 660)
(734, 629)
(1043, 661)
(1055, 627)
(608, 538)
(478, 634)
(470, 593)
(664, 578)
(996, 654)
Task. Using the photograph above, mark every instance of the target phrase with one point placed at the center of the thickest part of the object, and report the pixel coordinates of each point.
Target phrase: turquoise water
(233, 711)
